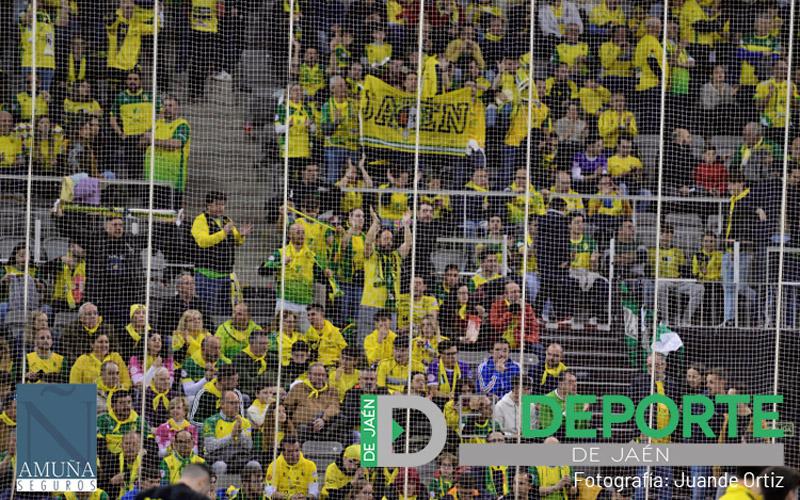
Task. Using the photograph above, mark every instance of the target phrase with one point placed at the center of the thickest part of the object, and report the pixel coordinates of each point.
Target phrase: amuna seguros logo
(56, 438)
(570, 418)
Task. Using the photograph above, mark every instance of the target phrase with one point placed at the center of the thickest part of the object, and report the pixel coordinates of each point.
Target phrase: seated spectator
(313, 406)
(593, 98)
(506, 412)
(227, 436)
(444, 476)
(82, 151)
(488, 272)
(424, 345)
(126, 466)
(202, 367)
(281, 344)
(11, 147)
(711, 176)
(81, 102)
(189, 335)
(107, 383)
(393, 373)
(8, 423)
(544, 376)
(185, 299)
(346, 376)
(299, 364)
(130, 341)
(182, 453)
(341, 472)
(497, 373)
(208, 399)
(118, 421)
(157, 396)
(571, 130)
(50, 144)
(755, 157)
(478, 423)
(607, 213)
(506, 319)
(256, 365)
(68, 277)
(515, 207)
(447, 373)
(627, 171)
(149, 478)
(142, 372)
(86, 368)
(555, 480)
(707, 270)
(567, 386)
(563, 185)
(291, 474)
(256, 413)
(589, 165)
(424, 305)
(672, 268)
(718, 103)
(165, 433)
(556, 13)
(462, 315)
(44, 365)
(326, 338)
(592, 288)
(616, 122)
(379, 345)
(234, 334)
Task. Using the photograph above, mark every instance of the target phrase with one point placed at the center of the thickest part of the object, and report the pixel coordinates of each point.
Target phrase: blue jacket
(490, 381)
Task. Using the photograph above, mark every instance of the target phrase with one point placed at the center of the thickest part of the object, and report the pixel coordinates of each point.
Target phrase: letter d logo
(376, 442)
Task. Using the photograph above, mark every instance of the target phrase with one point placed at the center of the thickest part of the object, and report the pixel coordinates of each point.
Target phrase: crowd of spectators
(199, 379)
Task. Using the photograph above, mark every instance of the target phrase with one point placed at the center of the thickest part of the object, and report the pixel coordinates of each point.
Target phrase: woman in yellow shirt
(86, 369)
(189, 335)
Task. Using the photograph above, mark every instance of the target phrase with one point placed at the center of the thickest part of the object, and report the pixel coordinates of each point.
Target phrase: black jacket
(553, 246)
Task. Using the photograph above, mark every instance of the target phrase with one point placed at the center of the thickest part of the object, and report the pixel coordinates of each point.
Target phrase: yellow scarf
(102, 387)
(176, 427)
(313, 391)
(136, 336)
(462, 312)
(212, 388)
(7, 420)
(132, 417)
(93, 330)
(159, 398)
(444, 382)
(134, 468)
(389, 477)
(731, 208)
(261, 361)
(552, 372)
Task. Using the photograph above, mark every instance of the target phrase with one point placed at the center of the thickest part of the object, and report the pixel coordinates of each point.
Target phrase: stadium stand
(237, 216)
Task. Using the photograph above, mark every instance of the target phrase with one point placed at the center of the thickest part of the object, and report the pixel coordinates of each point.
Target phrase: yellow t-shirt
(609, 126)
(618, 165)
(396, 206)
(10, 149)
(567, 53)
(672, 260)
(45, 42)
(774, 92)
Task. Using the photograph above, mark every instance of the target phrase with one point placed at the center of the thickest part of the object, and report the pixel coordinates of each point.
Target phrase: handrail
(55, 178)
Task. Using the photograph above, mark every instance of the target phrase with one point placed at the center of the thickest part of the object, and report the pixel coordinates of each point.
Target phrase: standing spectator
(678, 179)
(340, 125)
(11, 151)
(707, 270)
(744, 224)
(227, 436)
(770, 98)
(114, 270)
(45, 41)
(381, 271)
(590, 287)
(205, 44)
(328, 339)
(649, 61)
(718, 100)
(216, 236)
(496, 374)
(185, 298)
(294, 115)
(554, 16)
(68, 274)
(130, 118)
(124, 33)
(349, 264)
(301, 267)
(553, 258)
(172, 143)
(615, 59)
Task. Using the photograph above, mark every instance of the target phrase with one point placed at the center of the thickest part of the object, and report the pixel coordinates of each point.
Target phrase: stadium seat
(55, 248)
(6, 246)
(322, 453)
